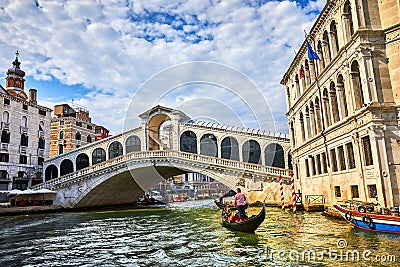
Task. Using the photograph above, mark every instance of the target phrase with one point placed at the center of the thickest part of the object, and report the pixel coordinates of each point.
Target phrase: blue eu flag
(311, 52)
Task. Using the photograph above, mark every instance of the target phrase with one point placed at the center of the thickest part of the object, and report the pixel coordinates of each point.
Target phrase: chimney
(32, 96)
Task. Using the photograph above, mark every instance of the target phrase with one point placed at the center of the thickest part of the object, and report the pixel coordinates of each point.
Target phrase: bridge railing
(122, 160)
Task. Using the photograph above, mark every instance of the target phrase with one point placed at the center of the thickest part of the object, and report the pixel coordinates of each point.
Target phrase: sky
(215, 60)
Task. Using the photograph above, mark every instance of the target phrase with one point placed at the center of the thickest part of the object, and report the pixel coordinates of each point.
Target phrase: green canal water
(188, 235)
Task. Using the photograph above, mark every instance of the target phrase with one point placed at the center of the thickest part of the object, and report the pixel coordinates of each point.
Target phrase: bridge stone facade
(118, 169)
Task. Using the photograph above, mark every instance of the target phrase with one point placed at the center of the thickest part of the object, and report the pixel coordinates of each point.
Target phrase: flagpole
(322, 108)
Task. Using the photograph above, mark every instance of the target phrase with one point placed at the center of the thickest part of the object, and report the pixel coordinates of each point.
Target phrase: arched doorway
(251, 152)
(208, 145)
(159, 132)
(230, 148)
(274, 156)
(188, 142)
(82, 161)
(51, 172)
(66, 167)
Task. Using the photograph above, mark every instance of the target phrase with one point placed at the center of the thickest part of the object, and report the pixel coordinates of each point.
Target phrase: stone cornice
(16, 99)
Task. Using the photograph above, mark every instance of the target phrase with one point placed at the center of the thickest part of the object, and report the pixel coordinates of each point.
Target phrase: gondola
(247, 226)
(220, 201)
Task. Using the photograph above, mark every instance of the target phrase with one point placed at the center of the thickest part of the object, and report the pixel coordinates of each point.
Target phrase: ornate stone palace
(343, 110)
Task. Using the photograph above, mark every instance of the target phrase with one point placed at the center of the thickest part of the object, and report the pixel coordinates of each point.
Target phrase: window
(307, 168)
(90, 127)
(41, 143)
(312, 165)
(40, 161)
(4, 157)
(354, 191)
(6, 116)
(372, 192)
(23, 159)
(78, 136)
(24, 140)
(24, 107)
(324, 165)
(333, 159)
(61, 135)
(24, 122)
(79, 123)
(61, 122)
(318, 158)
(350, 156)
(5, 136)
(6, 101)
(367, 150)
(337, 191)
(3, 174)
(342, 162)
(42, 112)
(60, 149)
(89, 139)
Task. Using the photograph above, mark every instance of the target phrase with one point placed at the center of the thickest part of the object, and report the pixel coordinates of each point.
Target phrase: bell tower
(15, 80)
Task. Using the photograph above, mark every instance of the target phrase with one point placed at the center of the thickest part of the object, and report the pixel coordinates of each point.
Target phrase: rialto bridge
(118, 169)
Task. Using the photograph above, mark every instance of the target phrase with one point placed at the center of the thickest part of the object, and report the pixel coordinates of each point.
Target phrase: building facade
(343, 110)
(70, 128)
(25, 132)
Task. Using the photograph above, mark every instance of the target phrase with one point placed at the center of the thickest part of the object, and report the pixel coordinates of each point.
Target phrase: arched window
(208, 145)
(296, 80)
(230, 148)
(66, 167)
(348, 21)
(115, 150)
(133, 144)
(274, 156)
(98, 155)
(82, 161)
(308, 74)
(312, 119)
(303, 79)
(356, 82)
(290, 164)
(334, 102)
(89, 139)
(308, 122)
(334, 38)
(318, 117)
(327, 109)
(326, 48)
(61, 135)
(303, 132)
(24, 122)
(342, 97)
(321, 56)
(24, 140)
(6, 117)
(78, 136)
(251, 152)
(188, 142)
(41, 126)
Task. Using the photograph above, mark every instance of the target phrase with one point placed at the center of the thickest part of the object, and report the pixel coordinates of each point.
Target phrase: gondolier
(240, 204)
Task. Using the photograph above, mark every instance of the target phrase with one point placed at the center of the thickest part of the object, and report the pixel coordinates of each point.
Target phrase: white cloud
(112, 47)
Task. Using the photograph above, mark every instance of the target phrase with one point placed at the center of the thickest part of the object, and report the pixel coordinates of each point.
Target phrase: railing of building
(163, 155)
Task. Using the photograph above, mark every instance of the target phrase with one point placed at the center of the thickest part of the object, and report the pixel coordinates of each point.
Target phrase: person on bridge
(240, 204)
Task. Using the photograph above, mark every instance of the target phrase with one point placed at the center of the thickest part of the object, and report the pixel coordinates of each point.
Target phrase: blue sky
(101, 53)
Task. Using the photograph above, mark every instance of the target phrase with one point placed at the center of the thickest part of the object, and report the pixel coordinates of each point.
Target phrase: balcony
(5, 126)
(62, 141)
(4, 146)
(78, 142)
(24, 130)
(41, 134)
(23, 149)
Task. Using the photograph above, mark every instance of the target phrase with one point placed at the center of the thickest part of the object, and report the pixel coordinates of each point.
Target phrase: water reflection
(189, 236)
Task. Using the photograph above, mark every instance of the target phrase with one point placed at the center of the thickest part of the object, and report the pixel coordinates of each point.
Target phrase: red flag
(301, 72)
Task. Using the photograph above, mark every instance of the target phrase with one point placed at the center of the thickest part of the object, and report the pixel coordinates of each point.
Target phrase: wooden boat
(248, 226)
(370, 221)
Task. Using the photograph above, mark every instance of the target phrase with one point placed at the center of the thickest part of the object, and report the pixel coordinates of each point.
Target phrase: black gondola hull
(247, 226)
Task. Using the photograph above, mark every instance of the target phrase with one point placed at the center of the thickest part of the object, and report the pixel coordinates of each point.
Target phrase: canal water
(188, 234)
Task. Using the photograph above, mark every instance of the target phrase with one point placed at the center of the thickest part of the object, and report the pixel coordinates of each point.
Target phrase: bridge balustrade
(123, 159)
